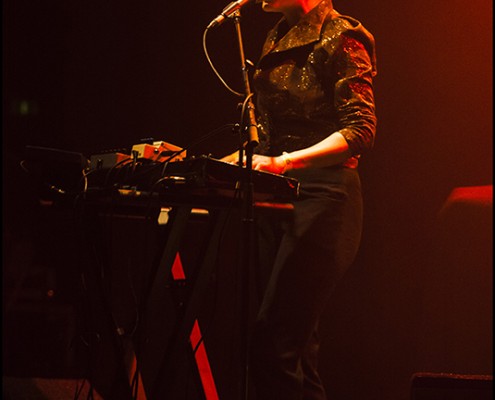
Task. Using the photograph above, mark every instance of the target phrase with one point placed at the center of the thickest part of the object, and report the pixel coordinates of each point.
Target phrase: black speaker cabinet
(444, 386)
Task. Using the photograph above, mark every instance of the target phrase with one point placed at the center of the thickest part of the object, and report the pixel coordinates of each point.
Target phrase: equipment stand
(247, 226)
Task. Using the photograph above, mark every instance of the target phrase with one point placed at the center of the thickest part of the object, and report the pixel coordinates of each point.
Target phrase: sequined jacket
(314, 79)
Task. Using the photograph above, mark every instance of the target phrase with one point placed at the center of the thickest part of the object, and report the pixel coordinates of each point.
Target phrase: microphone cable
(205, 49)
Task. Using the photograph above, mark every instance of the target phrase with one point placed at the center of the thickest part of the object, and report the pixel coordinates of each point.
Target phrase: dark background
(93, 76)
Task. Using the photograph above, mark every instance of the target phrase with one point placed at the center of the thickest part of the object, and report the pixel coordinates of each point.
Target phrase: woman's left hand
(275, 165)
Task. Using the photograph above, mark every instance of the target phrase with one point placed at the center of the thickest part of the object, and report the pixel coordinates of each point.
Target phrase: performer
(315, 105)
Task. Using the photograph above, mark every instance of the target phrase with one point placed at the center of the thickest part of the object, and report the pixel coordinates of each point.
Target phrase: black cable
(205, 49)
(199, 141)
(164, 164)
(121, 162)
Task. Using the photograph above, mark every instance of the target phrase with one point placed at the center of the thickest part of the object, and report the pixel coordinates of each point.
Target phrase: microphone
(227, 12)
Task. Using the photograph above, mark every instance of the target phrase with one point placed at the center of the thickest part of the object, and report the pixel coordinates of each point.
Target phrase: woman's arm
(332, 150)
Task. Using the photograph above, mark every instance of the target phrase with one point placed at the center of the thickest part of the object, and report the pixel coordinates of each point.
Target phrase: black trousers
(305, 257)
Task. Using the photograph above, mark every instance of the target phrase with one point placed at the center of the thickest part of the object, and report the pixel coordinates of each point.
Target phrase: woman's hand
(275, 165)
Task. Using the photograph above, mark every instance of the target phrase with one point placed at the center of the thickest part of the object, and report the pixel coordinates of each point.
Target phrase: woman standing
(315, 104)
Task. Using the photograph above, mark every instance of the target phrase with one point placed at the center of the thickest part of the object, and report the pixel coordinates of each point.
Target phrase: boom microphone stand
(246, 148)
(247, 225)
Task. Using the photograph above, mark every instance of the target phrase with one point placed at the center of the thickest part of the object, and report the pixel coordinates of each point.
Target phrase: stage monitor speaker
(444, 386)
